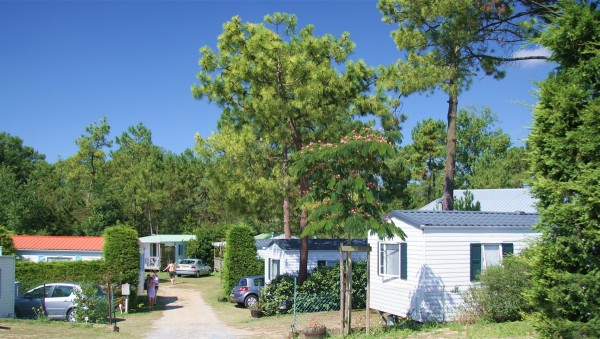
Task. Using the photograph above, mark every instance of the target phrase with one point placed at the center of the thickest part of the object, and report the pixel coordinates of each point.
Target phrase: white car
(195, 267)
(56, 300)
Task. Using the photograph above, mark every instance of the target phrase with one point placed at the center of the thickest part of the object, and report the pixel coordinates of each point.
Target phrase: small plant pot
(256, 313)
(314, 332)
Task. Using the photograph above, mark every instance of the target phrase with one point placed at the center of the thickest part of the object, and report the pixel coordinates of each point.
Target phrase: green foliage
(466, 203)
(477, 138)
(565, 154)
(32, 274)
(122, 254)
(240, 256)
(321, 290)
(90, 305)
(8, 248)
(345, 197)
(201, 247)
(500, 296)
(446, 44)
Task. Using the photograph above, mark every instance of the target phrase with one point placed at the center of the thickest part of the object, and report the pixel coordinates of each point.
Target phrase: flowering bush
(316, 325)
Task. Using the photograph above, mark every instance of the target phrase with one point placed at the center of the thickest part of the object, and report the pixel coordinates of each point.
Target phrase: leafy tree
(201, 247)
(449, 42)
(503, 170)
(467, 203)
(17, 158)
(8, 248)
(476, 137)
(290, 88)
(426, 156)
(240, 256)
(243, 174)
(137, 170)
(565, 154)
(344, 196)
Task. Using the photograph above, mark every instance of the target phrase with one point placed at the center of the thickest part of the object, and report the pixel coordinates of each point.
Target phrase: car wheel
(251, 300)
(197, 274)
(71, 315)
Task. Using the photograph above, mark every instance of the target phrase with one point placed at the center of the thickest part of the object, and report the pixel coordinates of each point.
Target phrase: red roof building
(54, 248)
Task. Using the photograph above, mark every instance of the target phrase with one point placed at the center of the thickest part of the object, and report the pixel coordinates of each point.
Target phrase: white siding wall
(290, 260)
(446, 270)
(41, 256)
(7, 286)
(438, 267)
(392, 294)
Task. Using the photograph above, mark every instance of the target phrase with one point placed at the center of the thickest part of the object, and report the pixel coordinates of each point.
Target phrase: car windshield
(187, 262)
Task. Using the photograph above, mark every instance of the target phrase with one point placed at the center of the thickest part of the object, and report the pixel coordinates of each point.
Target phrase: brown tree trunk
(303, 269)
(447, 200)
(287, 229)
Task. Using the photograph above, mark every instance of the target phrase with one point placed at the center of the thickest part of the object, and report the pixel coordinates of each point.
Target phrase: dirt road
(186, 315)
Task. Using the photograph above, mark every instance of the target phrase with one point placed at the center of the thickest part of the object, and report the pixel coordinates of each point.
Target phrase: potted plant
(255, 310)
(315, 330)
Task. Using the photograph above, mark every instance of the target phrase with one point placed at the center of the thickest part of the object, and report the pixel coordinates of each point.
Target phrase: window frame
(401, 255)
(477, 256)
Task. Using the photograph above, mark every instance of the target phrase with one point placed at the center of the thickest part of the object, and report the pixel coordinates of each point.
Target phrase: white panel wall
(42, 256)
(290, 260)
(438, 269)
(392, 294)
(7, 286)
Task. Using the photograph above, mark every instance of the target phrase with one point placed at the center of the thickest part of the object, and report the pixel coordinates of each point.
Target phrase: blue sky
(67, 64)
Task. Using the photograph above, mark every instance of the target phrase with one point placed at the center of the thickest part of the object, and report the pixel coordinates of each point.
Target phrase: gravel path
(185, 314)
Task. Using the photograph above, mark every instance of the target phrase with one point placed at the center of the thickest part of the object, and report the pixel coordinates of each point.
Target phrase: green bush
(500, 295)
(321, 290)
(240, 256)
(31, 274)
(201, 247)
(90, 305)
(122, 255)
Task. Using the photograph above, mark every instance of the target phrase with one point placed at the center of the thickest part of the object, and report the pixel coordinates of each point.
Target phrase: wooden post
(342, 294)
(349, 291)
(368, 308)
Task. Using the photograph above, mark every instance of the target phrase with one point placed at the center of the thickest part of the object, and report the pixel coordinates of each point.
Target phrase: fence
(320, 309)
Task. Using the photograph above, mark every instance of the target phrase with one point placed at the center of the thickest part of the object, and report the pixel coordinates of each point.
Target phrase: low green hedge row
(31, 274)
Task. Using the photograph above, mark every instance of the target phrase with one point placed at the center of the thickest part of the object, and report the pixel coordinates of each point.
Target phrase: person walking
(151, 291)
(171, 268)
(156, 282)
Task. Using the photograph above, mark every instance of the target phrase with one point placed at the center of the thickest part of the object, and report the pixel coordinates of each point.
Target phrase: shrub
(240, 256)
(90, 305)
(31, 274)
(320, 291)
(121, 252)
(500, 296)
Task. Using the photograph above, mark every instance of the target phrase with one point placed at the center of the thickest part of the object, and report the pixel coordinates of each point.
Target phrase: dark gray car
(247, 290)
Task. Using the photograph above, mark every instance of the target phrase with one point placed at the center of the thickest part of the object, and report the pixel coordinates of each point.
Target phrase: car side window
(62, 291)
(259, 282)
(39, 292)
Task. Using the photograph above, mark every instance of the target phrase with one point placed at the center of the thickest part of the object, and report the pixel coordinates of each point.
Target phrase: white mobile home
(159, 249)
(444, 251)
(282, 256)
(42, 248)
(7, 286)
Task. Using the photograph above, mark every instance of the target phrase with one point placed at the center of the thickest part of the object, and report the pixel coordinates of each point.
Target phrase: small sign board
(125, 289)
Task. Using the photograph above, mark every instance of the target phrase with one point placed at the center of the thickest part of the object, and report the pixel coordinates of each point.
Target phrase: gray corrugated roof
(317, 244)
(465, 218)
(495, 200)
